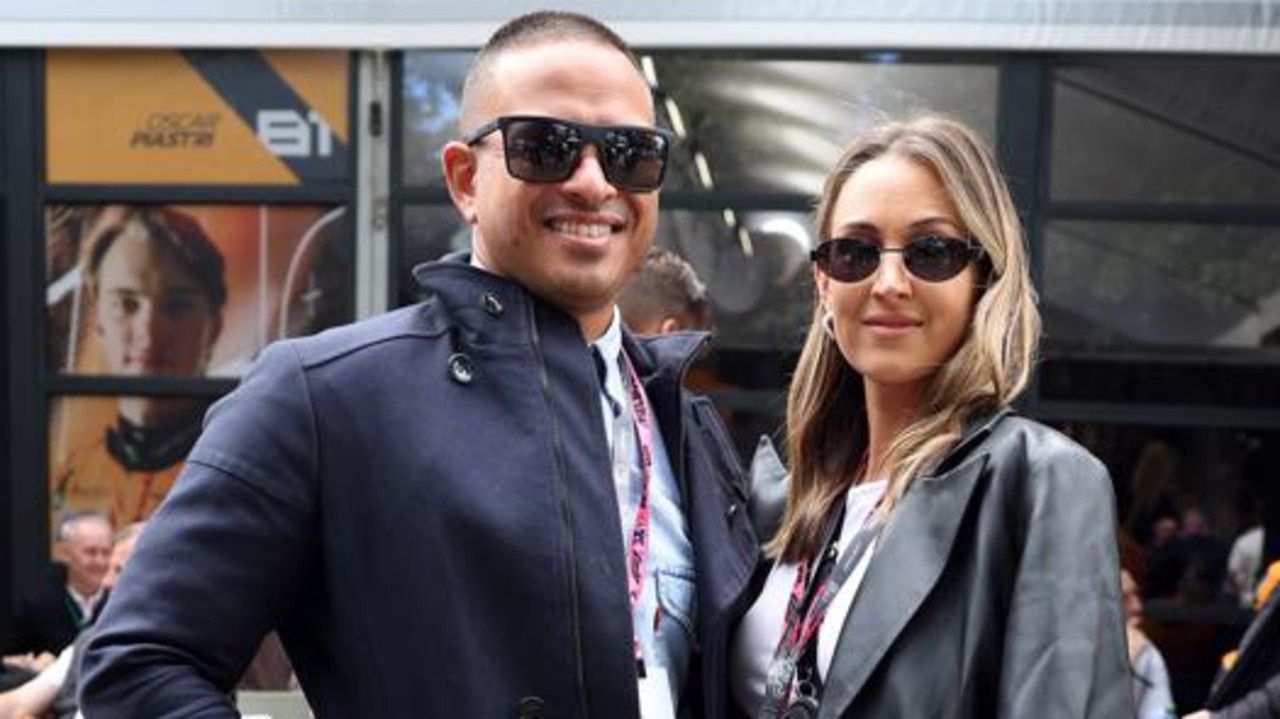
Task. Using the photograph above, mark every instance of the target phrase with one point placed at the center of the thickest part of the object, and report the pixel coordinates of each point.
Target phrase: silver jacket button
(460, 368)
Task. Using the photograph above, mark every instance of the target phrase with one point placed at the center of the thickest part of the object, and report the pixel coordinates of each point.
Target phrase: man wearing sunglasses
(494, 503)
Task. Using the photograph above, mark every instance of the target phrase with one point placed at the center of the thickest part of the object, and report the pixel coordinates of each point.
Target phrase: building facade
(1141, 139)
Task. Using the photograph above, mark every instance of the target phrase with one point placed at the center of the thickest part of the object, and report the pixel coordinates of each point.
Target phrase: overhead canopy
(1178, 26)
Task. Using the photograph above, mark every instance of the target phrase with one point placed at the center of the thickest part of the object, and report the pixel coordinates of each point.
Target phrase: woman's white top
(757, 637)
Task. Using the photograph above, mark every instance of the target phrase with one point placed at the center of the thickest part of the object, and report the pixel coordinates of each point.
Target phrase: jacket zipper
(557, 443)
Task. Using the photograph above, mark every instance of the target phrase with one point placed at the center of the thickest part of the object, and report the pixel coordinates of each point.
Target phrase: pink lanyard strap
(807, 607)
(638, 547)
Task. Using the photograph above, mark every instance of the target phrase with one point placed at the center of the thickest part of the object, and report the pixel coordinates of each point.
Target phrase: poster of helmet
(172, 291)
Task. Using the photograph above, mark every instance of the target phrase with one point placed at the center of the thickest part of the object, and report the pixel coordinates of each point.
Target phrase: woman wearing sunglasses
(939, 556)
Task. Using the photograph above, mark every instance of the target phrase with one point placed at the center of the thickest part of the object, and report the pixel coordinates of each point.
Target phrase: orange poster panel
(119, 455)
(189, 290)
(138, 117)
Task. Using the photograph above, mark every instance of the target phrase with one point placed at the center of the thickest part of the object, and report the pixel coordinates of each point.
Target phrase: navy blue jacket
(422, 504)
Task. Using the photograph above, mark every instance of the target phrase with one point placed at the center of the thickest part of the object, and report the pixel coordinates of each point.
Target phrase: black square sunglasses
(547, 149)
(931, 258)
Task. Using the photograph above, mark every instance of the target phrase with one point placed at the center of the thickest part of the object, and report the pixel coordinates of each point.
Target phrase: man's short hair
(70, 519)
(529, 30)
(665, 286)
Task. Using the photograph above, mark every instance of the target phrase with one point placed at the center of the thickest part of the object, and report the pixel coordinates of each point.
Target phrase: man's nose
(588, 180)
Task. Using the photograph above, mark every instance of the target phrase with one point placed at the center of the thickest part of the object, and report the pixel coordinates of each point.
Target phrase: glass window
(1161, 313)
(432, 105)
(756, 268)
(778, 125)
(1172, 287)
(1154, 379)
(1167, 131)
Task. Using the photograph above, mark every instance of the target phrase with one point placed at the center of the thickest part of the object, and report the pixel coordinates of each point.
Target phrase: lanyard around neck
(811, 596)
(638, 544)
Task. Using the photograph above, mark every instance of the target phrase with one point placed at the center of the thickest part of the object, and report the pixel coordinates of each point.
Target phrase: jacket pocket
(677, 600)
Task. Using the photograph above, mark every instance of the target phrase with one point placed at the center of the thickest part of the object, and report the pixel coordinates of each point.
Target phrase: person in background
(53, 691)
(664, 295)
(157, 287)
(483, 505)
(1152, 493)
(1151, 695)
(939, 556)
(48, 619)
(1244, 560)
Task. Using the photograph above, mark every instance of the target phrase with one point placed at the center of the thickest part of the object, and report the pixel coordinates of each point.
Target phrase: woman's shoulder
(1040, 449)
(1046, 480)
(1012, 429)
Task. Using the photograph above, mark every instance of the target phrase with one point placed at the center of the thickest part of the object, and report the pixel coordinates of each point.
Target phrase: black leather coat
(993, 591)
(1251, 689)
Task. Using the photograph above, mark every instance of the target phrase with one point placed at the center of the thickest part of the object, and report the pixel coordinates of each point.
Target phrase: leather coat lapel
(909, 557)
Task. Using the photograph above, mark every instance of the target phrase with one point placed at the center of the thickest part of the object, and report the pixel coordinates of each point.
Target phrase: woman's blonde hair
(826, 413)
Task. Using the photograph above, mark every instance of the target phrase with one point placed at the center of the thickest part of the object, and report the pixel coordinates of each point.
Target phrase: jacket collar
(663, 357)
(472, 298)
(975, 432)
(485, 307)
(910, 556)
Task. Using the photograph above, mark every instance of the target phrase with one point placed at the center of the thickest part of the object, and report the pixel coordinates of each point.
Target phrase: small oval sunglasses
(932, 258)
(548, 149)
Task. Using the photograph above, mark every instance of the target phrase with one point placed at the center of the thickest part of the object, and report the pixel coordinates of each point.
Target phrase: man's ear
(459, 163)
(669, 325)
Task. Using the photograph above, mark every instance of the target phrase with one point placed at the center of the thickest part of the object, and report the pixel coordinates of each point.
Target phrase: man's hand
(30, 662)
(20, 661)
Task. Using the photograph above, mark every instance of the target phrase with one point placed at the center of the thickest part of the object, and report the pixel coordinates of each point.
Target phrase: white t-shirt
(56, 673)
(1243, 564)
(757, 637)
(1151, 692)
(86, 603)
